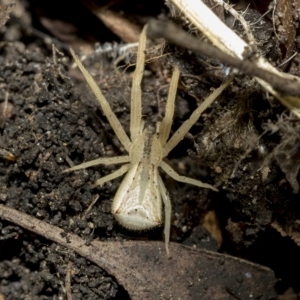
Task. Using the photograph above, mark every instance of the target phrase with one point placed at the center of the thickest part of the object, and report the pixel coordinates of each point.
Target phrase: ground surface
(246, 144)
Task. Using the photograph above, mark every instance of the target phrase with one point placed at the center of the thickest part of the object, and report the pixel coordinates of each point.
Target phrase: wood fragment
(68, 281)
(177, 36)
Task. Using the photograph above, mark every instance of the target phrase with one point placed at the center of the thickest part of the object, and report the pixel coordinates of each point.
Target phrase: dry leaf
(145, 272)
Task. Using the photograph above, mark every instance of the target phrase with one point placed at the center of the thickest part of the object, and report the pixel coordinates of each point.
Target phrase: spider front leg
(136, 90)
(165, 126)
(111, 117)
(186, 126)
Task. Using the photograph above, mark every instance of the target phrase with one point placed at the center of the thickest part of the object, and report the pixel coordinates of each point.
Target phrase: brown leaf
(120, 25)
(291, 230)
(146, 273)
(287, 155)
(285, 28)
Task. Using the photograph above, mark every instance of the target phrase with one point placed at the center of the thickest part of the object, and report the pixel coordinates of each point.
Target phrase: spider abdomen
(137, 204)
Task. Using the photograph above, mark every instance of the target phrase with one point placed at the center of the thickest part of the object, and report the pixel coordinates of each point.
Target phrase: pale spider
(138, 202)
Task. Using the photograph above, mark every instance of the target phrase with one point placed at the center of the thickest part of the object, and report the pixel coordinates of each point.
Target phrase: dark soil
(246, 144)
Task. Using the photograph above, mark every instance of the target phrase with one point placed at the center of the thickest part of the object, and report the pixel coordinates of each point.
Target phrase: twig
(4, 112)
(175, 35)
(68, 281)
(226, 40)
(239, 17)
(90, 207)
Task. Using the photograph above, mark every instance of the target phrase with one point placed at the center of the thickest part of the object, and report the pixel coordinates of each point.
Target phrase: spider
(137, 204)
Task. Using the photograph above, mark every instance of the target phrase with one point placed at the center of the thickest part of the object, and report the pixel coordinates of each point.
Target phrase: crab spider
(138, 202)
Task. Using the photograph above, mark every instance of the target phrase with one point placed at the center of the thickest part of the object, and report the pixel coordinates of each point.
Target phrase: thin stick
(286, 85)
(68, 281)
(4, 112)
(90, 207)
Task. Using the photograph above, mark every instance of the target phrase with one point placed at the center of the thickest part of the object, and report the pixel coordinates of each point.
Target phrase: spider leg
(112, 176)
(165, 126)
(168, 210)
(186, 126)
(111, 117)
(172, 173)
(100, 161)
(136, 90)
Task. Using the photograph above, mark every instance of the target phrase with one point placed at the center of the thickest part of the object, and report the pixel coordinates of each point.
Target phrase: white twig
(239, 17)
(229, 42)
